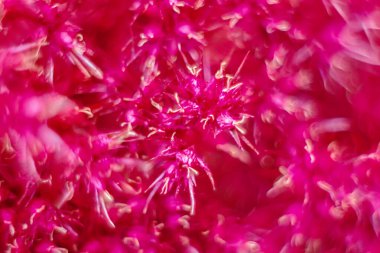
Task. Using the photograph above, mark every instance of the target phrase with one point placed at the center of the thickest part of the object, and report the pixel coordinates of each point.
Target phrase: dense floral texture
(189, 126)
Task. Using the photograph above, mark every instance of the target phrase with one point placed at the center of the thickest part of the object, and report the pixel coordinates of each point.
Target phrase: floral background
(189, 126)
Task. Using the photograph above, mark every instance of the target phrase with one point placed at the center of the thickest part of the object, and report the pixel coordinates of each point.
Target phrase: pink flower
(189, 126)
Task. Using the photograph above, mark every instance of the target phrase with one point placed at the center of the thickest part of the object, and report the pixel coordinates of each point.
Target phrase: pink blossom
(189, 126)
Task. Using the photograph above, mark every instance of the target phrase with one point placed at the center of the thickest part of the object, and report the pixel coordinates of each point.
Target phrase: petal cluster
(189, 126)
